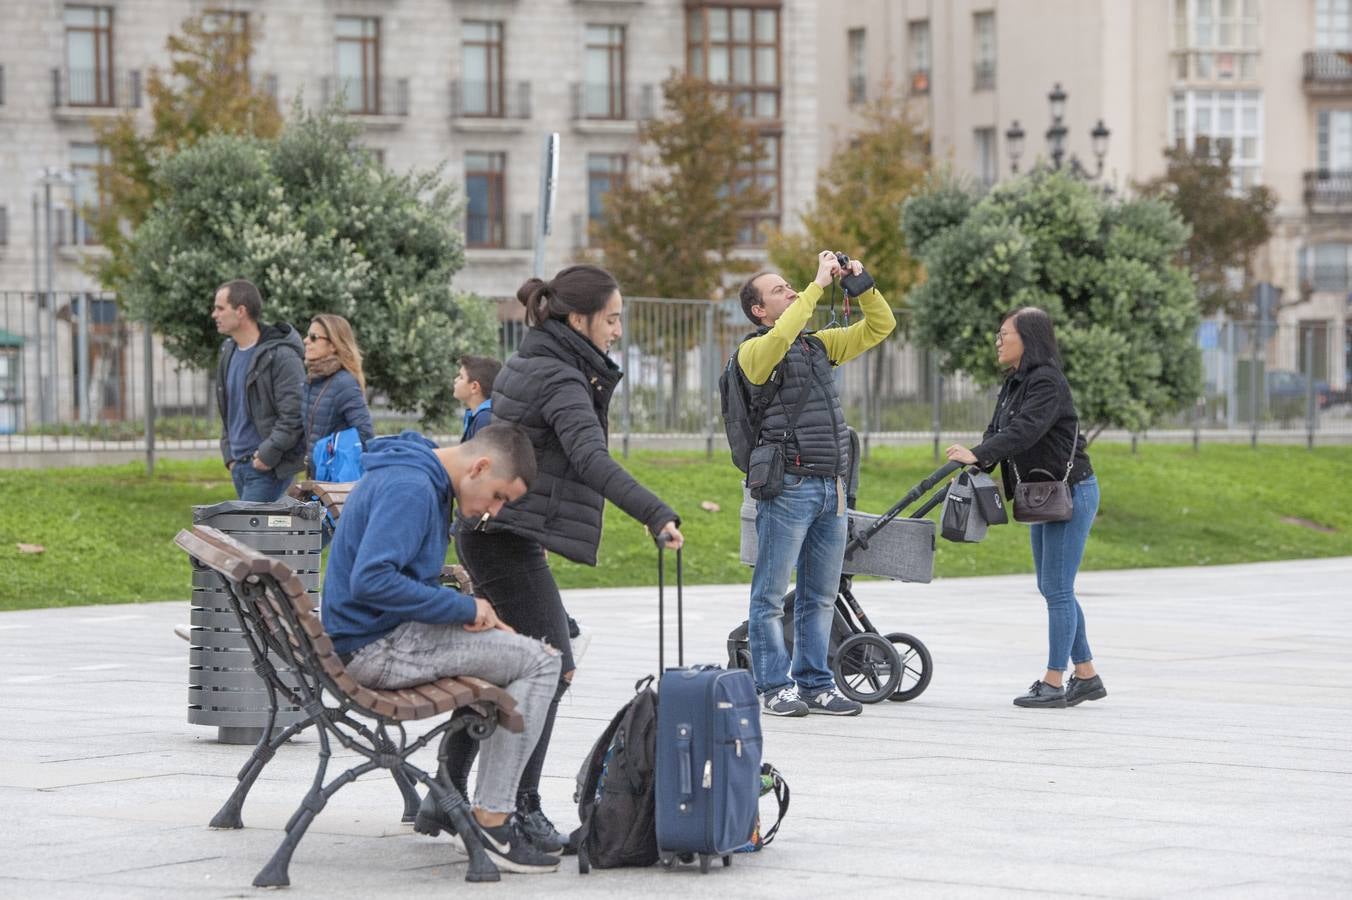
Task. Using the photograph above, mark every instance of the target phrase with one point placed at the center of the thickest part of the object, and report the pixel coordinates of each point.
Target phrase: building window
(983, 39)
(89, 55)
(1326, 267)
(1333, 24)
(232, 29)
(918, 47)
(858, 65)
(765, 174)
(1335, 140)
(737, 48)
(1216, 40)
(1223, 121)
(603, 70)
(358, 42)
(85, 160)
(482, 59)
(605, 171)
(985, 155)
(486, 218)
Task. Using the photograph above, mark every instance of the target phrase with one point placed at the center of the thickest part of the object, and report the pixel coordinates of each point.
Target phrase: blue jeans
(259, 487)
(798, 529)
(1058, 548)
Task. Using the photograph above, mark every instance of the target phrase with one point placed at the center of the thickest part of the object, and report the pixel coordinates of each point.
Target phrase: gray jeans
(415, 653)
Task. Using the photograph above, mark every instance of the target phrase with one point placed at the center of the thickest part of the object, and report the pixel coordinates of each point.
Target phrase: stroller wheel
(915, 669)
(866, 668)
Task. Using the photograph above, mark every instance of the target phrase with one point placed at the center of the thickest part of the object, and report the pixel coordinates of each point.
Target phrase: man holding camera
(798, 473)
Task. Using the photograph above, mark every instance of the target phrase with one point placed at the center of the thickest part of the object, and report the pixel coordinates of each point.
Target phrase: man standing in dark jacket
(259, 382)
(804, 526)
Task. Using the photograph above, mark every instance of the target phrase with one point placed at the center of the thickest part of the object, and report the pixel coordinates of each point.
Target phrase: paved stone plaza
(1220, 764)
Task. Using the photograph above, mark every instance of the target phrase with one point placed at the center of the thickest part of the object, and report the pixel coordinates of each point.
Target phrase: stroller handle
(912, 495)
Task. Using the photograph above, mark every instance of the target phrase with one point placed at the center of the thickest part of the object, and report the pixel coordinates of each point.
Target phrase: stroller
(868, 666)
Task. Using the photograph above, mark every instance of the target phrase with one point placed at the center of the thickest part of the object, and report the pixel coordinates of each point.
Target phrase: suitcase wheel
(703, 863)
(727, 861)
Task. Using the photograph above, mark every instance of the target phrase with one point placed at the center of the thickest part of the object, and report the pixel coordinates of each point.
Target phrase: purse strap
(1070, 463)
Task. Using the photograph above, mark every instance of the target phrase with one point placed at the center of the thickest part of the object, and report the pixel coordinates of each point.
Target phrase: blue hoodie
(390, 545)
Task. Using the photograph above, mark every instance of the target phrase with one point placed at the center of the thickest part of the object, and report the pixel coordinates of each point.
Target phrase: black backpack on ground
(615, 800)
(742, 414)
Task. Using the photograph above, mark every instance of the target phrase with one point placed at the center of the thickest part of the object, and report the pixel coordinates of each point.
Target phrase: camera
(852, 284)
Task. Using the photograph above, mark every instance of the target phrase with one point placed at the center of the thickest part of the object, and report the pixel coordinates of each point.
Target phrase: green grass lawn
(107, 530)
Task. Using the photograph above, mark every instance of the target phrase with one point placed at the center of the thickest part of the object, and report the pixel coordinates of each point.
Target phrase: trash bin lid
(288, 506)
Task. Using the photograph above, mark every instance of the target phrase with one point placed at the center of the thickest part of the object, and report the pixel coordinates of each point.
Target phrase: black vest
(820, 442)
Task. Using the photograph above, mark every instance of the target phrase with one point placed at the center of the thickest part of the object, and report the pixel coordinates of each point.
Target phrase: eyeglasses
(315, 337)
(1000, 337)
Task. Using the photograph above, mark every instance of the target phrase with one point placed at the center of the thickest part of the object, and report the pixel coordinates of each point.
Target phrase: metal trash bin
(223, 688)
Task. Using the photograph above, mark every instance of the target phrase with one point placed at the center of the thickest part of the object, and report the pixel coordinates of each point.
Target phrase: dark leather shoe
(430, 819)
(1079, 690)
(1041, 694)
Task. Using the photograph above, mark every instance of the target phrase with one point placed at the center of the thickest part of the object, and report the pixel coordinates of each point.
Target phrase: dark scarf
(322, 367)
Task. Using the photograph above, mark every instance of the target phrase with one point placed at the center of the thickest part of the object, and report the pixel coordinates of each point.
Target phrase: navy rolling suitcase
(708, 752)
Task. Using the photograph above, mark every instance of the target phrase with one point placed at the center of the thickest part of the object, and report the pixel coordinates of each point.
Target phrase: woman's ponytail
(534, 294)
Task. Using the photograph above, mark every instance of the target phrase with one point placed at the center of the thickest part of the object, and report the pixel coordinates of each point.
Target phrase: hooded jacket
(273, 386)
(558, 387)
(1034, 427)
(390, 545)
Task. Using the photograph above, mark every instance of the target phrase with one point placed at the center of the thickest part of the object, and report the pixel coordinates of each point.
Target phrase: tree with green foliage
(1105, 269)
(206, 89)
(670, 228)
(858, 202)
(320, 227)
(1228, 226)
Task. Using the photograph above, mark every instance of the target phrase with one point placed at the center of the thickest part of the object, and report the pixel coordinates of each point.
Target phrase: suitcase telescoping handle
(662, 539)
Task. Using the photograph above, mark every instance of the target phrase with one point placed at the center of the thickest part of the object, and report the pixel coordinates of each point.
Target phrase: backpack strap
(781, 791)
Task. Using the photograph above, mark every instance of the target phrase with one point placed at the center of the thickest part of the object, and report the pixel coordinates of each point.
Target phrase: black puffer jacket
(819, 443)
(558, 387)
(1035, 427)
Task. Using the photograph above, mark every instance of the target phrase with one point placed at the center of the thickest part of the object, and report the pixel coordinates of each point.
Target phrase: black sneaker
(536, 825)
(831, 702)
(784, 702)
(512, 851)
(1079, 690)
(1041, 694)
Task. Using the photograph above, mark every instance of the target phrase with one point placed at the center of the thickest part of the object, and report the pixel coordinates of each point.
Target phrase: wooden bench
(283, 631)
(333, 494)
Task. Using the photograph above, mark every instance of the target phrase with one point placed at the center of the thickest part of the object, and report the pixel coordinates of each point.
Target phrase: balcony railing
(602, 102)
(96, 88)
(490, 100)
(513, 232)
(1328, 70)
(1328, 191)
(367, 96)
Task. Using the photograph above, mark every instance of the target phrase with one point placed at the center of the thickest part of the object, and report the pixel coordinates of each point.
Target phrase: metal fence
(78, 381)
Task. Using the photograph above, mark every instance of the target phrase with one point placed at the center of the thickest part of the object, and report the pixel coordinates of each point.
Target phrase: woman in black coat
(557, 386)
(1035, 427)
(335, 388)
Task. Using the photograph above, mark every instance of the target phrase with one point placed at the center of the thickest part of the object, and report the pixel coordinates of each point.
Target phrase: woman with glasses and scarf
(1035, 427)
(335, 388)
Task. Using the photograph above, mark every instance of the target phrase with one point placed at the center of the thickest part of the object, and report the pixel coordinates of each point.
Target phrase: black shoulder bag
(1045, 501)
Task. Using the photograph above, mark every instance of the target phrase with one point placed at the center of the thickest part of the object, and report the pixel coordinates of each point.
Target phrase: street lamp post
(1056, 138)
(49, 177)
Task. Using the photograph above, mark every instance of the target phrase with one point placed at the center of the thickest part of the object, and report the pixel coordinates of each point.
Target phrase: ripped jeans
(416, 652)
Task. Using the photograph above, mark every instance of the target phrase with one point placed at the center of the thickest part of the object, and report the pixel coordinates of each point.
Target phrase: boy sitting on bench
(394, 625)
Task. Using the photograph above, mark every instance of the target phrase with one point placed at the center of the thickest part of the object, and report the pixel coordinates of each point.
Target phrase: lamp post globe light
(1056, 138)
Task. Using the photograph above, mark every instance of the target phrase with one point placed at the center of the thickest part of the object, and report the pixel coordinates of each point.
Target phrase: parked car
(1284, 387)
